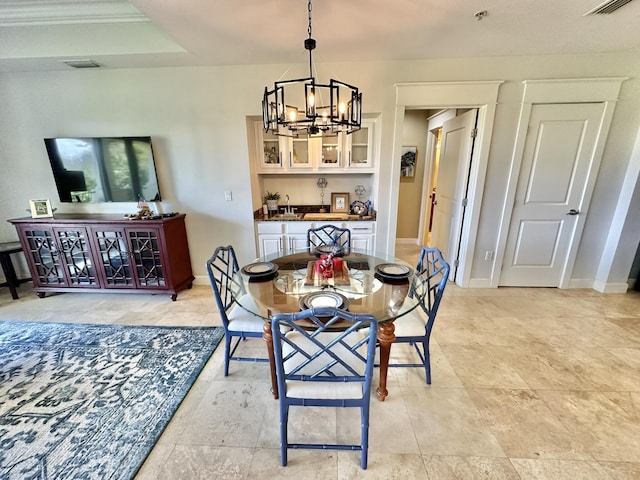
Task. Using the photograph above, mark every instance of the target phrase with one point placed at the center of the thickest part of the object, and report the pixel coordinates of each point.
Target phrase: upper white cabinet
(340, 153)
(359, 147)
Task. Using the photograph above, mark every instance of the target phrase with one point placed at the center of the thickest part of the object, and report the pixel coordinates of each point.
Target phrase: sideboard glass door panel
(76, 254)
(114, 259)
(43, 254)
(147, 258)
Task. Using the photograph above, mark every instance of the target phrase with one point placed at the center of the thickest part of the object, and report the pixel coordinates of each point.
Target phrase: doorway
(481, 95)
(435, 204)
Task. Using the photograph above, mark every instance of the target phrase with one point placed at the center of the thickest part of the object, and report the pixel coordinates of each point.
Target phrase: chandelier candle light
(342, 114)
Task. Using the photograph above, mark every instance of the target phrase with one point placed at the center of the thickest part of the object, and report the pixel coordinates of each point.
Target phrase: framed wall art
(40, 208)
(408, 161)
(340, 203)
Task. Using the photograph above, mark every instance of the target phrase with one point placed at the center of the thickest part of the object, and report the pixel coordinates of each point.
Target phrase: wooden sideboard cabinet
(107, 253)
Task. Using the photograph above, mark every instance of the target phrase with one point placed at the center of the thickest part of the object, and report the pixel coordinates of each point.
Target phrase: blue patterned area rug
(90, 401)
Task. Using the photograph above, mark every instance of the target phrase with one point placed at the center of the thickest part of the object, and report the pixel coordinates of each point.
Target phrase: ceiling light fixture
(343, 113)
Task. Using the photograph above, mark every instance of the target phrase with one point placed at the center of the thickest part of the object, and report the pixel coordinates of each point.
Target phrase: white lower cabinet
(363, 236)
(270, 238)
(297, 235)
(282, 238)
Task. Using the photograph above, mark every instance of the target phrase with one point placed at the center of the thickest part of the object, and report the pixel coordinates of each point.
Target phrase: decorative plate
(359, 208)
(327, 249)
(323, 300)
(393, 271)
(260, 270)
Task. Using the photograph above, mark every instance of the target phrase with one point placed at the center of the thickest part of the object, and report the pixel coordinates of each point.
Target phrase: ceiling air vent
(81, 63)
(608, 7)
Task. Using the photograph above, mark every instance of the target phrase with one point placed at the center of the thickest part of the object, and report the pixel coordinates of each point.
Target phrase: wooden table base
(385, 337)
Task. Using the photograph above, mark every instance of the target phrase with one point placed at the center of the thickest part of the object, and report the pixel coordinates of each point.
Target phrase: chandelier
(311, 114)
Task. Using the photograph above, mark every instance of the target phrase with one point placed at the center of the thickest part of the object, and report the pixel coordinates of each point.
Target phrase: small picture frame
(408, 158)
(40, 208)
(340, 202)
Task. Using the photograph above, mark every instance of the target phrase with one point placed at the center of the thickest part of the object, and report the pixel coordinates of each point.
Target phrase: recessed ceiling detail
(608, 7)
(61, 12)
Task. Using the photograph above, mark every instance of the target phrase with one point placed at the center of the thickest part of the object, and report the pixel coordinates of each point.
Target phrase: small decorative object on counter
(322, 184)
(271, 199)
(144, 212)
(358, 207)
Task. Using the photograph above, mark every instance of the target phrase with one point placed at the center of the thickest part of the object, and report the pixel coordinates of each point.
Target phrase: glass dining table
(372, 283)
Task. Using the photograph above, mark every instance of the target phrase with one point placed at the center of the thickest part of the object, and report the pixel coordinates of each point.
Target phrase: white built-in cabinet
(341, 153)
(282, 238)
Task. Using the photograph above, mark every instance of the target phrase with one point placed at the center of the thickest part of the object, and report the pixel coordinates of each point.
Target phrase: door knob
(573, 211)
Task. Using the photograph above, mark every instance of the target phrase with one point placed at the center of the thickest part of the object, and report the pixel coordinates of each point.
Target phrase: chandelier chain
(309, 27)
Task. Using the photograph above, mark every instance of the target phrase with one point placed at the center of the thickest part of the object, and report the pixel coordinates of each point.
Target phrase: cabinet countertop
(300, 218)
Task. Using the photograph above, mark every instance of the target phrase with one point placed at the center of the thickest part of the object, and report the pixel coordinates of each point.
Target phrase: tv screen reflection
(107, 169)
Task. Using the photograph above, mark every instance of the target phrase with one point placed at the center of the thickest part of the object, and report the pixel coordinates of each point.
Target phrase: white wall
(414, 134)
(197, 118)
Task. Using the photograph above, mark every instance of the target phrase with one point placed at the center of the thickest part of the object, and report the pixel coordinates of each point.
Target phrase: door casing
(482, 95)
(580, 90)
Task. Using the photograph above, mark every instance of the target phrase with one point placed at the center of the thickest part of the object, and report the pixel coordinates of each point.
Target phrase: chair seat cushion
(324, 389)
(411, 325)
(240, 320)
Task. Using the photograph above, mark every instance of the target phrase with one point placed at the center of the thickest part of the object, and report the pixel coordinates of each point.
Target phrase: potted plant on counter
(271, 199)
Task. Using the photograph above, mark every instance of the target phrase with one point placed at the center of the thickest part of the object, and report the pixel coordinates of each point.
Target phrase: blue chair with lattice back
(429, 282)
(237, 321)
(325, 360)
(329, 235)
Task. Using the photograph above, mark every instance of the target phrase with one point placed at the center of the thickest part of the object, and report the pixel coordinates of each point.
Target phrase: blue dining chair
(329, 235)
(430, 280)
(321, 365)
(237, 321)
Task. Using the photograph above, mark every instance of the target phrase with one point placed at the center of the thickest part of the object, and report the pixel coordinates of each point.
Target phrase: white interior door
(453, 173)
(558, 155)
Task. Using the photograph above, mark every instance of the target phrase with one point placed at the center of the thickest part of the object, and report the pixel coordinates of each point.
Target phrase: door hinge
(456, 263)
(464, 202)
(474, 133)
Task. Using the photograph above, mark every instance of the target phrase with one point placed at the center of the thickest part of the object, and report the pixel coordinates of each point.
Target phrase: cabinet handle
(349, 158)
(339, 158)
(290, 159)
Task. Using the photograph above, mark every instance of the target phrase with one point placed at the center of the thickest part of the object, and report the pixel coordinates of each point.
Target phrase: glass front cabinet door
(327, 152)
(359, 147)
(269, 149)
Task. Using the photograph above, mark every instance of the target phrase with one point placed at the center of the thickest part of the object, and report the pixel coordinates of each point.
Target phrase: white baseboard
(201, 280)
(480, 283)
(580, 283)
(408, 241)
(603, 287)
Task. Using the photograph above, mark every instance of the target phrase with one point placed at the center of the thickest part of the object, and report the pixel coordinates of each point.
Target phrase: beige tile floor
(527, 384)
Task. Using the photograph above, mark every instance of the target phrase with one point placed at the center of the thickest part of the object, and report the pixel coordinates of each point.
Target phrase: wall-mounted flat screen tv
(104, 169)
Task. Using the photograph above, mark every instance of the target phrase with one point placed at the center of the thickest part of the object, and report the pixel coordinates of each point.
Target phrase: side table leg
(386, 337)
(9, 274)
(267, 336)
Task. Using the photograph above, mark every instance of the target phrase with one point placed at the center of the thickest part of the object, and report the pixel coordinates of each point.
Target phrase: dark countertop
(300, 218)
(301, 210)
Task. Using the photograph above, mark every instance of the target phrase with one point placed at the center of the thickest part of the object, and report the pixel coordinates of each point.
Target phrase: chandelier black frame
(342, 114)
